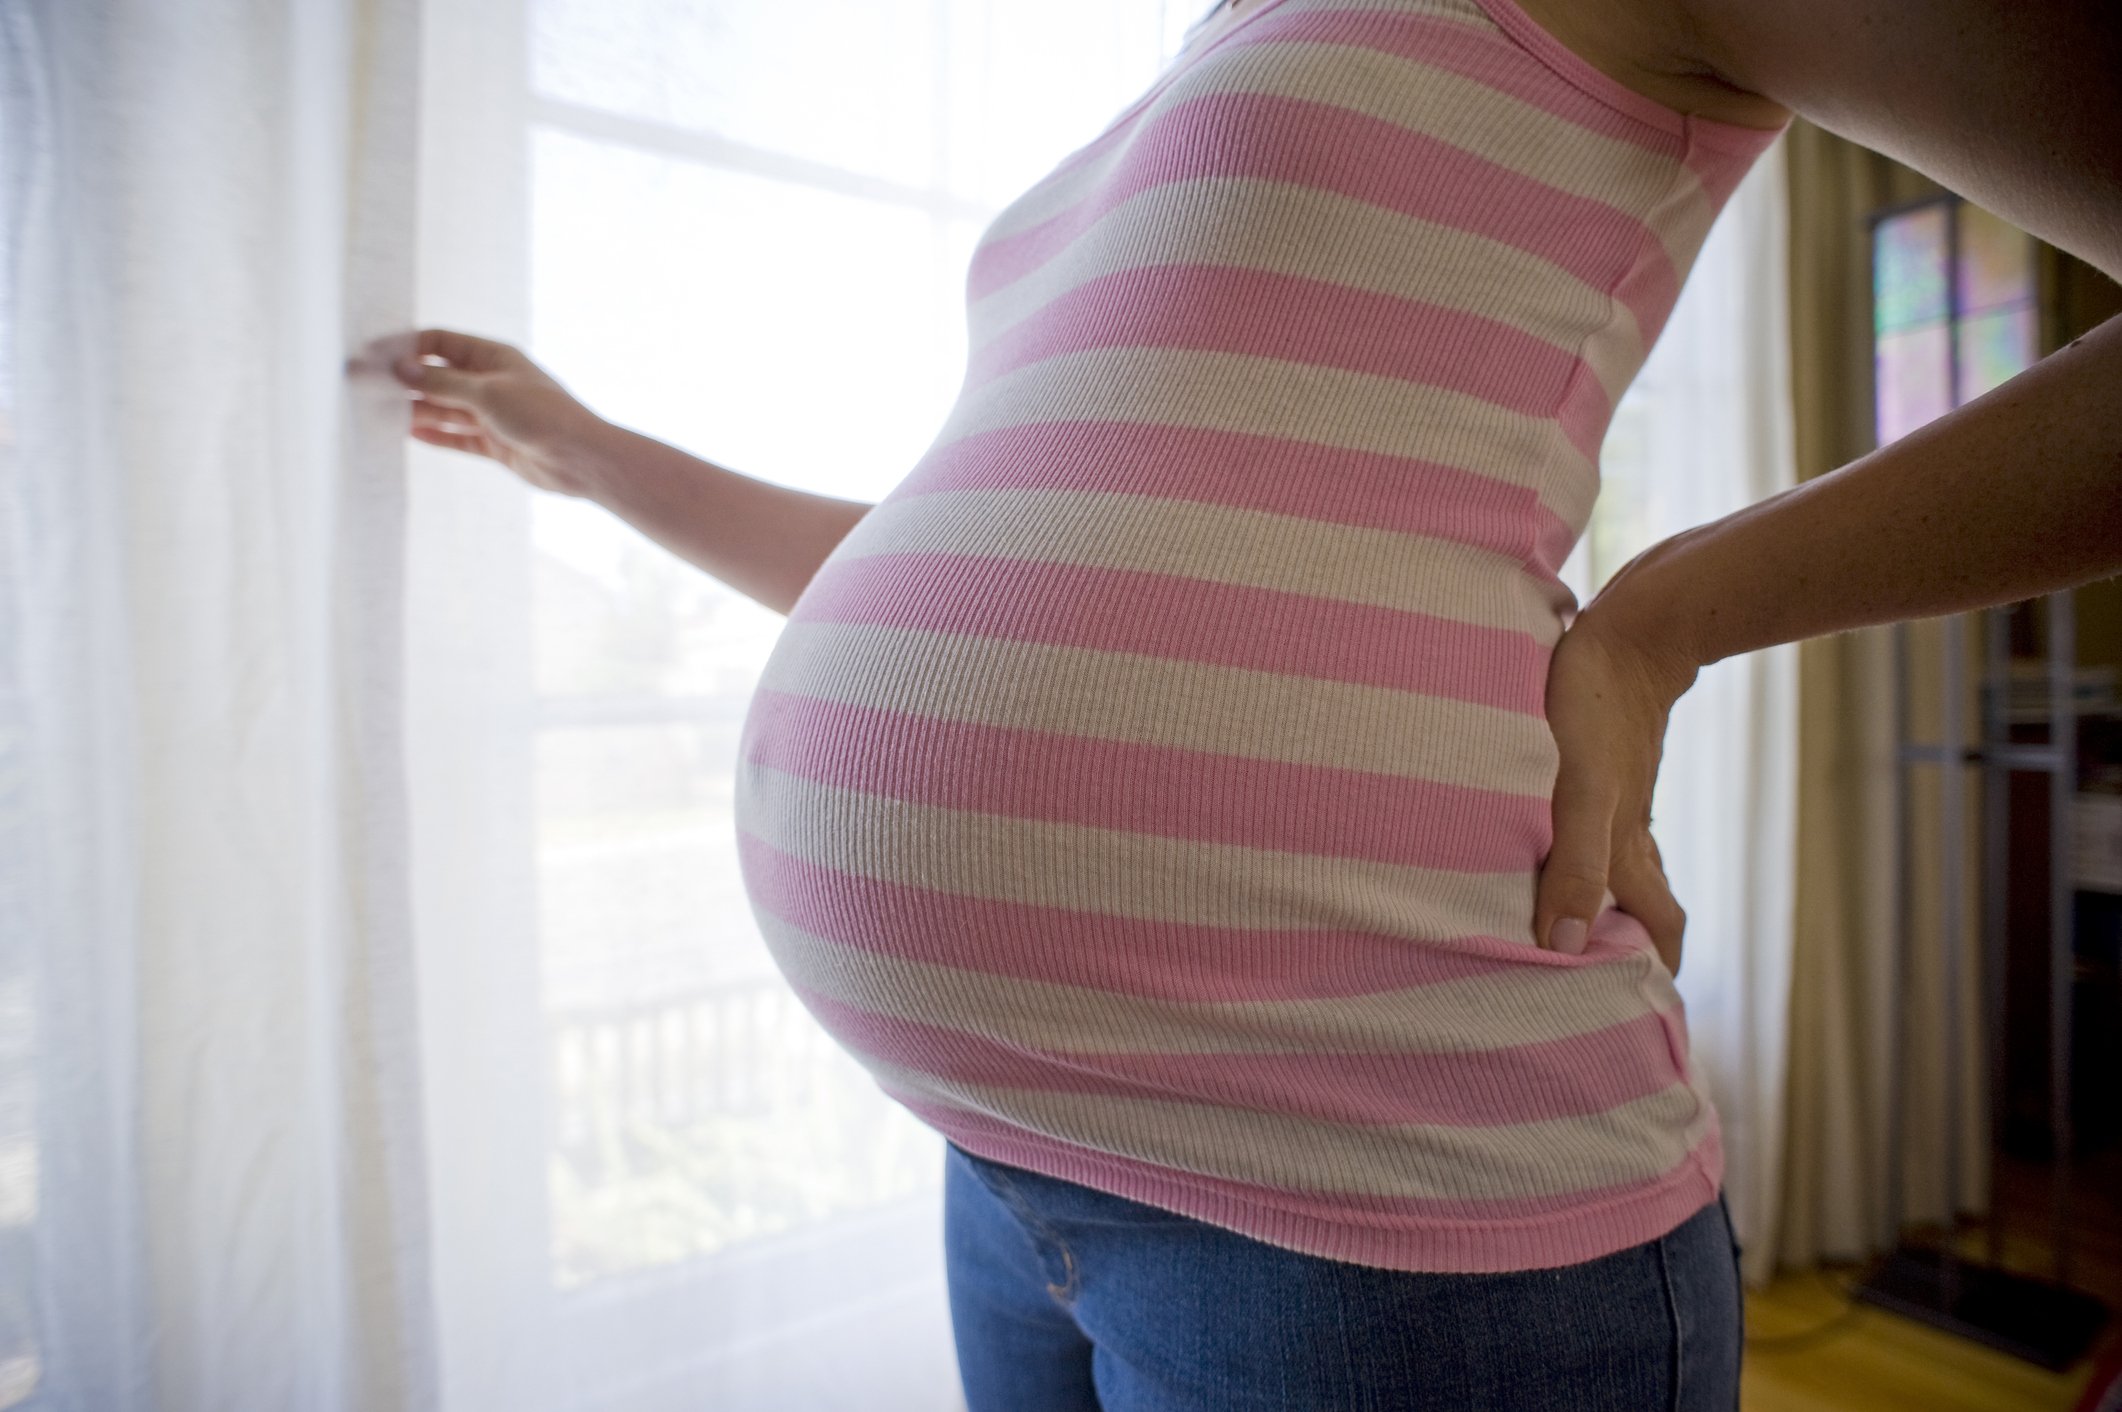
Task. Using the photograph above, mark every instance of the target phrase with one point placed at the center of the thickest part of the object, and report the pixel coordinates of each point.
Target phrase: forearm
(762, 539)
(2015, 495)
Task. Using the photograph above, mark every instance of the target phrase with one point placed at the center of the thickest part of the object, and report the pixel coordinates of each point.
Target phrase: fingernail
(1568, 935)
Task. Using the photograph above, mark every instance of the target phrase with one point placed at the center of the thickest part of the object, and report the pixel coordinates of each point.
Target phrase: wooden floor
(1809, 1349)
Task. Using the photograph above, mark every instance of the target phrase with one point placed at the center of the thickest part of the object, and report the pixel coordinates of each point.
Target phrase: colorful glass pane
(1994, 347)
(1909, 269)
(1996, 262)
(1914, 379)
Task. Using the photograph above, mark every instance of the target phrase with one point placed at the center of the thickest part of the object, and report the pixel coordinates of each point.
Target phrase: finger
(1642, 890)
(469, 442)
(437, 383)
(463, 350)
(436, 414)
(1573, 877)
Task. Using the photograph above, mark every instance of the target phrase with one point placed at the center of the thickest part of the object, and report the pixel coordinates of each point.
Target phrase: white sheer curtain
(211, 1181)
(1704, 430)
(271, 708)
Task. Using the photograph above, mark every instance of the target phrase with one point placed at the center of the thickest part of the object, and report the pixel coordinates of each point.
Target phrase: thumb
(452, 387)
(1573, 879)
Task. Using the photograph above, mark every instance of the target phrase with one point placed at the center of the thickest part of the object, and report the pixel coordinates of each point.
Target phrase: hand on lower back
(1607, 705)
(486, 397)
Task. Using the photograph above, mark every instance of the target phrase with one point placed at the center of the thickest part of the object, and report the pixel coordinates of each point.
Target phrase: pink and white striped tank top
(1151, 790)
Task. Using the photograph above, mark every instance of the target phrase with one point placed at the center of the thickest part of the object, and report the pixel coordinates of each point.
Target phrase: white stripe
(1120, 873)
(1507, 1010)
(1129, 696)
(1408, 573)
(1252, 223)
(1242, 392)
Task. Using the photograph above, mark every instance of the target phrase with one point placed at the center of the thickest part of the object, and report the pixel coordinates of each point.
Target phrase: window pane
(1909, 269)
(790, 333)
(1914, 374)
(1994, 348)
(849, 83)
(616, 615)
(697, 1107)
(639, 895)
(1996, 262)
(1031, 83)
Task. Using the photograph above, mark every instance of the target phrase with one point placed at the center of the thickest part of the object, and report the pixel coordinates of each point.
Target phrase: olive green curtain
(1844, 993)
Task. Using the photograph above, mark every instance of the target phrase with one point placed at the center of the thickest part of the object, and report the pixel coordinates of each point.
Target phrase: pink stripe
(1530, 1083)
(1161, 790)
(1584, 411)
(1197, 1194)
(1490, 58)
(1242, 470)
(1325, 148)
(1183, 620)
(1648, 293)
(1230, 309)
(1187, 962)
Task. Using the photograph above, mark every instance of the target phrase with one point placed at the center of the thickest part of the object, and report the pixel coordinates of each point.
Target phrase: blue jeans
(1067, 1299)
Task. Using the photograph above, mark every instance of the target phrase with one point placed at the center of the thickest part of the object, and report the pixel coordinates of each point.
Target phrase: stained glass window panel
(1909, 265)
(1994, 348)
(1914, 380)
(1954, 310)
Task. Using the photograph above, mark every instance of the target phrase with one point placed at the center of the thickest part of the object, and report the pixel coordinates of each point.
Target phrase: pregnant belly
(1016, 840)
(1011, 921)
(1181, 776)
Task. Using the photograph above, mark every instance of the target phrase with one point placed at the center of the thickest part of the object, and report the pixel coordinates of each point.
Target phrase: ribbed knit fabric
(1151, 791)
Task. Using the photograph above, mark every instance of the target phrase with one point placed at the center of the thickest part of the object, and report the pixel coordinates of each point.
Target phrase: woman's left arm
(2017, 107)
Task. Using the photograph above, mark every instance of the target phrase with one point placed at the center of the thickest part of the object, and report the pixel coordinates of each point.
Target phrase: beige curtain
(1844, 993)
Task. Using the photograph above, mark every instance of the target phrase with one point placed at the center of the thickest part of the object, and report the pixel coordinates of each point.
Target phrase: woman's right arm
(488, 398)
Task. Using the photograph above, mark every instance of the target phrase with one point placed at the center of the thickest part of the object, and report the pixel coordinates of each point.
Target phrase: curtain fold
(1845, 994)
(211, 1133)
(470, 747)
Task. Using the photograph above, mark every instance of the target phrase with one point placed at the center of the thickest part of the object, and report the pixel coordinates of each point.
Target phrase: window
(748, 231)
(1952, 310)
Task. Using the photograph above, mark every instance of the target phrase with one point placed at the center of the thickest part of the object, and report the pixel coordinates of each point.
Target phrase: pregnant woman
(1193, 792)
